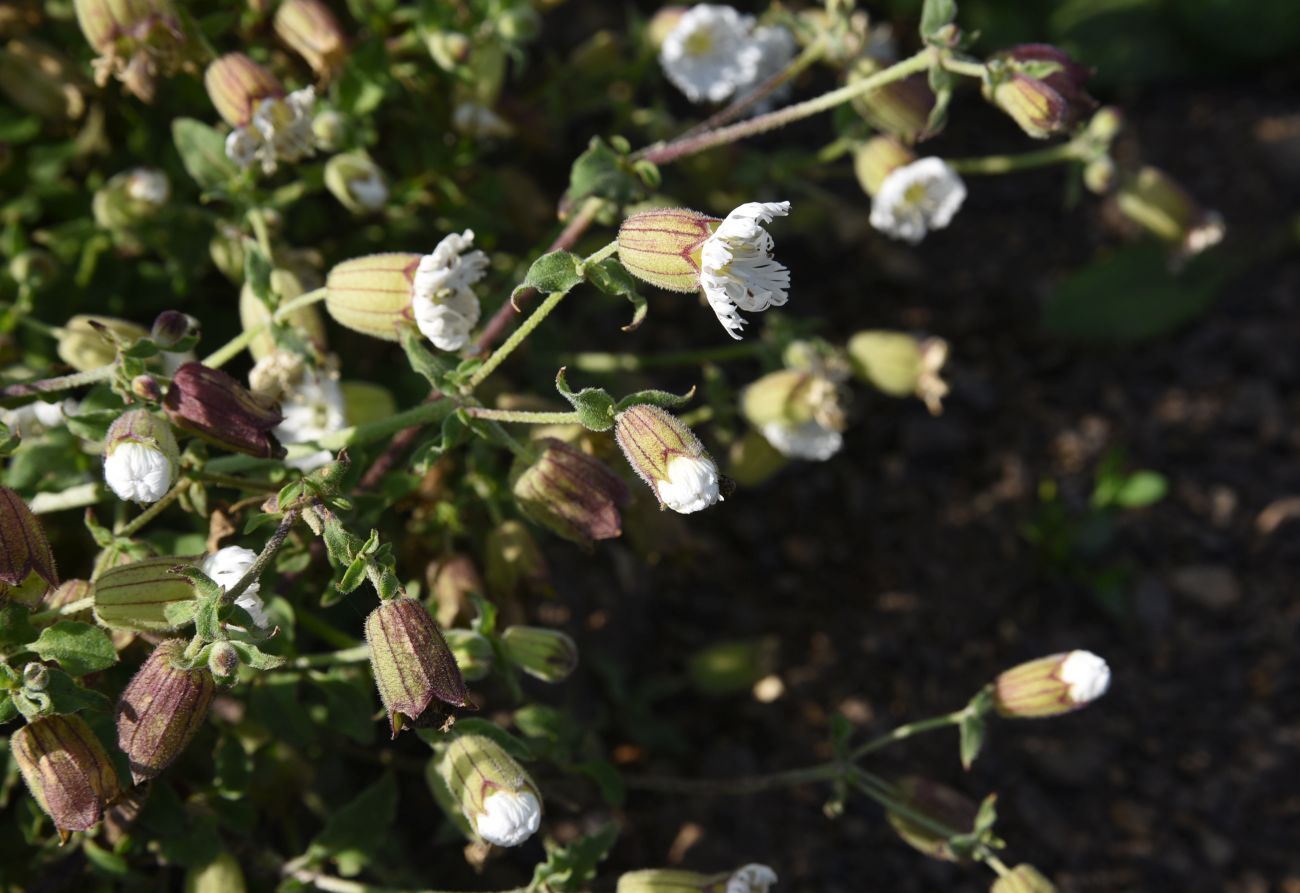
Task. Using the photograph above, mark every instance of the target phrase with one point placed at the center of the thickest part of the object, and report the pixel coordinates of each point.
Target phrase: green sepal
(558, 271)
(594, 406)
(662, 399)
(612, 278)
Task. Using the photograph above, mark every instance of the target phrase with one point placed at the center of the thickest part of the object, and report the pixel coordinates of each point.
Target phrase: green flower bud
(223, 661)
(372, 294)
(574, 495)
(1154, 201)
(664, 247)
(27, 569)
(545, 654)
(213, 406)
(472, 651)
(161, 709)
(667, 455)
(221, 875)
(254, 314)
(1051, 686)
(310, 29)
(876, 159)
(412, 663)
(87, 341)
(753, 878)
(141, 458)
(494, 793)
(1023, 879)
(135, 596)
(448, 49)
(357, 182)
(901, 365)
(236, 85)
(330, 130)
(941, 805)
(66, 769)
(1041, 88)
(36, 677)
(1100, 175)
(901, 109)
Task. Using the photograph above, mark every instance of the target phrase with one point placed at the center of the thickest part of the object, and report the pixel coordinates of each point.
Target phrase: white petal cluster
(33, 418)
(509, 818)
(444, 304)
(149, 185)
(709, 54)
(226, 567)
(370, 191)
(313, 408)
(737, 271)
(917, 198)
(1087, 675)
(809, 440)
(776, 47)
(138, 472)
(752, 878)
(280, 130)
(692, 484)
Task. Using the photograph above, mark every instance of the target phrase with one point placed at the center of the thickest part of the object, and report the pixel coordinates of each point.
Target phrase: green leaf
(7, 709)
(663, 399)
(15, 627)
(257, 271)
(973, 729)
(935, 16)
(1141, 489)
(558, 271)
(602, 172)
(433, 367)
(612, 278)
(256, 657)
(66, 696)
(355, 832)
(943, 83)
(207, 623)
(349, 703)
(569, 869)
(186, 835)
(594, 406)
(203, 152)
(79, 648)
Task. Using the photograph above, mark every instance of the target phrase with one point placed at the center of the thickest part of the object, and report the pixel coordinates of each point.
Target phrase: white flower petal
(226, 566)
(371, 192)
(508, 818)
(138, 472)
(311, 410)
(737, 271)
(692, 484)
(917, 198)
(808, 440)
(148, 185)
(1087, 675)
(709, 53)
(752, 878)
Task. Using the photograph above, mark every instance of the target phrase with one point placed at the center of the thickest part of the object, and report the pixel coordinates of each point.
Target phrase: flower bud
(221, 875)
(130, 198)
(1051, 686)
(876, 159)
(372, 294)
(545, 654)
(472, 651)
(1100, 175)
(798, 412)
(901, 109)
(141, 457)
(412, 663)
(87, 341)
(223, 661)
(66, 769)
(27, 569)
(901, 365)
(753, 459)
(357, 182)
(448, 49)
(310, 29)
(41, 81)
(752, 878)
(494, 793)
(161, 709)
(574, 495)
(254, 314)
(236, 85)
(665, 247)
(210, 404)
(669, 457)
(135, 39)
(1023, 879)
(171, 328)
(942, 806)
(514, 562)
(1158, 204)
(330, 130)
(451, 579)
(36, 677)
(135, 596)
(1042, 104)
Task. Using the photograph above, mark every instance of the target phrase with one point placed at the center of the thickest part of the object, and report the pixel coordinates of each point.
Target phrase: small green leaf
(7, 709)
(612, 278)
(66, 696)
(1141, 489)
(662, 399)
(355, 832)
(558, 271)
(256, 657)
(203, 152)
(433, 367)
(79, 648)
(594, 406)
(943, 83)
(935, 16)
(601, 171)
(569, 869)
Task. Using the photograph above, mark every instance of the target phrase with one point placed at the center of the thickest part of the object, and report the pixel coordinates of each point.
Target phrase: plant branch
(81, 604)
(907, 731)
(59, 383)
(263, 559)
(153, 511)
(228, 351)
(527, 418)
(516, 338)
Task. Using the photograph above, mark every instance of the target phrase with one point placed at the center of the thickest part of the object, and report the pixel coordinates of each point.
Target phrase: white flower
(709, 53)
(509, 818)
(1086, 674)
(226, 567)
(917, 198)
(370, 191)
(138, 472)
(809, 440)
(148, 185)
(313, 408)
(444, 305)
(242, 147)
(280, 130)
(476, 120)
(736, 266)
(776, 47)
(33, 418)
(692, 484)
(752, 878)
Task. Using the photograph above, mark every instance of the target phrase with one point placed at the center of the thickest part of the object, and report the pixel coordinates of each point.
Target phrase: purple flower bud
(1043, 104)
(575, 495)
(171, 327)
(24, 551)
(413, 664)
(161, 709)
(210, 404)
(236, 84)
(66, 769)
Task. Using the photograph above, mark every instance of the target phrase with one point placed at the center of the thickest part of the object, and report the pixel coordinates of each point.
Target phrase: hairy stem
(527, 418)
(263, 559)
(81, 604)
(60, 383)
(153, 511)
(516, 338)
(228, 351)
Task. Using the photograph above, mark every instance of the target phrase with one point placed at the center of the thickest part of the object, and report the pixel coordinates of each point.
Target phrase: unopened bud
(753, 878)
(1051, 686)
(942, 806)
(130, 198)
(493, 791)
(372, 294)
(310, 29)
(573, 494)
(668, 456)
(223, 661)
(36, 677)
(66, 769)
(236, 85)
(141, 458)
(1105, 124)
(1100, 175)
(799, 413)
(87, 341)
(1156, 202)
(545, 654)
(136, 40)
(135, 596)
(514, 561)
(357, 182)
(1023, 879)
(221, 875)
(412, 663)
(161, 709)
(451, 579)
(147, 388)
(900, 109)
(876, 159)
(171, 328)
(27, 569)
(448, 49)
(210, 404)
(472, 651)
(330, 129)
(901, 365)
(1041, 88)
(665, 247)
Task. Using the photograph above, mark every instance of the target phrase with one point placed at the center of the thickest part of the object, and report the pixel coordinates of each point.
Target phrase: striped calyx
(575, 495)
(236, 84)
(413, 664)
(664, 247)
(135, 596)
(88, 341)
(372, 294)
(310, 29)
(211, 405)
(545, 654)
(161, 709)
(752, 878)
(493, 791)
(1050, 686)
(66, 769)
(27, 568)
(668, 457)
(1023, 879)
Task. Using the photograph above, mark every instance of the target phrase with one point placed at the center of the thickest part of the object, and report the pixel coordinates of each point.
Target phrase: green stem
(738, 786)
(690, 145)
(810, 55)
(964, 67)
(263, 559)
(523, 417)
(234, 483)
(154, 510)
(624, 362)
(228, 351)
(516, 338)
(597, 256)
(354, 655)
(76, 497)
(60, 383)
(1003, 164)
(81, 604)
(907, 731)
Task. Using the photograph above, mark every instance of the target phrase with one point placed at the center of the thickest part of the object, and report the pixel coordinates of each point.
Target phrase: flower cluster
(714, 52)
